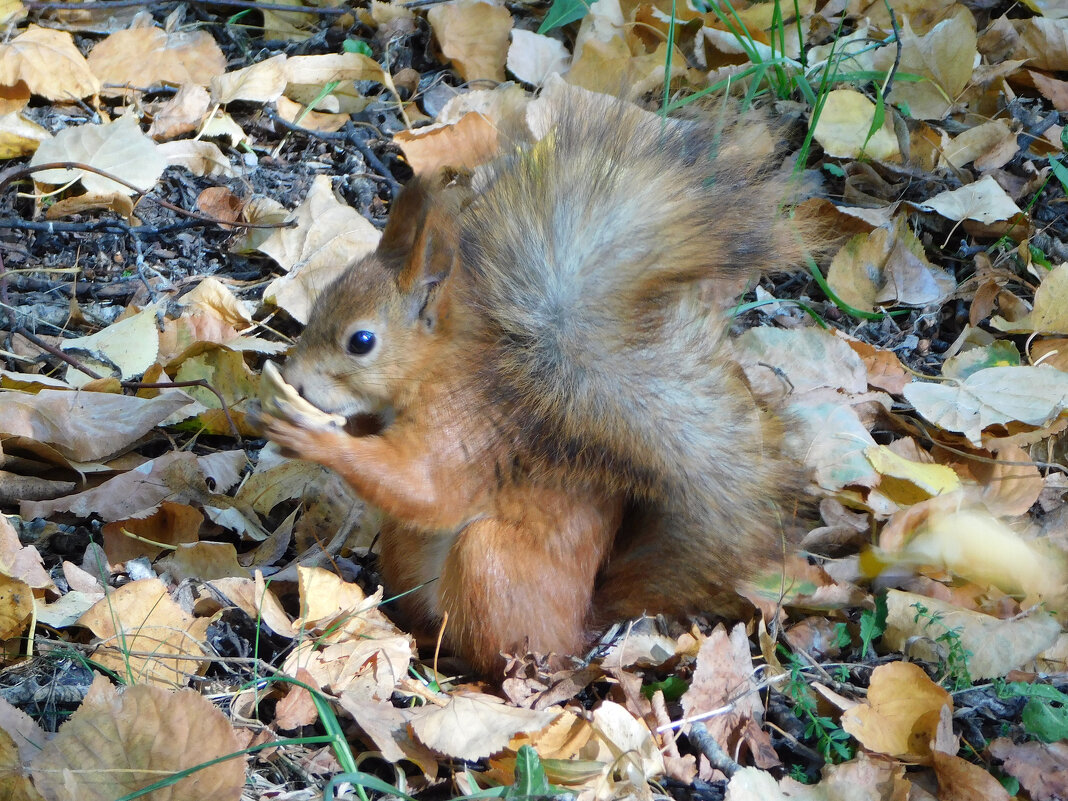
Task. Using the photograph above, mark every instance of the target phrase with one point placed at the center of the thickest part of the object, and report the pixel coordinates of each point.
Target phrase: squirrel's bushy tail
(596, 305)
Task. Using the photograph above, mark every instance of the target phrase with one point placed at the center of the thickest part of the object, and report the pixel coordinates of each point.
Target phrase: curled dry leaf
(901, 714)
(329, 235)
(995, 646)
(473, 35)
(85, 426)
(49, 63)
(474, 725)
(119, 741)
(146, 637)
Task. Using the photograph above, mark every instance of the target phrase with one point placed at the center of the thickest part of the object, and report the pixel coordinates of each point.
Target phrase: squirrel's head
(374, 332)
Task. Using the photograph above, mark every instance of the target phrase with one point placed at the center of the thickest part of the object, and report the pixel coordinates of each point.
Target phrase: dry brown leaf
(468, 143)
(141, 58)
(328, 236)
(1049, 314)
(475, 725)
(117, 148)
(1041, 768)
(901, 713)
(724, 677)
(182, 114)
(296, 708)
(199, 157)
(473, 35)
(119, 741)
(887, 267)
(85, 426)
(945, 55)
(146, 637)
(260, 83)
(386, 727)
(1055, 90)
(180, 477)
(996, 646)
(203, 560)
(48, 62)
(300, 116)
(960, 780)
(22, 562)
(354, 644)
(257, 601)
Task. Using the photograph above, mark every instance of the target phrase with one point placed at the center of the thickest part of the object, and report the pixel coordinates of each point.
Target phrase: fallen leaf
(996, 646)
(117, 148)
(984, 200)
(474, 726)
(473, 36)
(48, 62)
(996, 395)
(146, 637)
(142, 58)
(1041, 768)
(120, 740)
(844, 126)
(327, 238)
(901, 713)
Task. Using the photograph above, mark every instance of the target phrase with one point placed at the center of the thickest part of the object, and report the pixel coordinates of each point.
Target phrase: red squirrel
(564, 443)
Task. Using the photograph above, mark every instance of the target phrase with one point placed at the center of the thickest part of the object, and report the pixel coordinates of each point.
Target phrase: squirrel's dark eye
(361, 343)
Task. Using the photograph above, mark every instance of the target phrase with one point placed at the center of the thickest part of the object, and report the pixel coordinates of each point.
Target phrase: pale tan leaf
(199, 157)
(263, 82)
(996, 646)
(532, 58)
(182, 114)
(724, 677)
(49, 63)
(945, 55)
(475, 725)
(146, 637)
(901, 713)
(119, 741)
(85, 426)
(1031, 395)
(844, 123)
(328, 236)
(22, 562)
(473, 35)
(983, 200)
(144, 57)
(130, 345)
(117, 148)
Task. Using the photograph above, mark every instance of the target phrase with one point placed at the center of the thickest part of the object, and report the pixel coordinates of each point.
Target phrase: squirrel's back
(591, 260)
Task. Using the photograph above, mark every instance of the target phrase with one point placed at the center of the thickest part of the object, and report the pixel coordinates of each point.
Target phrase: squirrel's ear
(433, 257)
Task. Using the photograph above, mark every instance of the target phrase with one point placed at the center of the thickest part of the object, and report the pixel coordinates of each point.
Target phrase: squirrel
(562, 441)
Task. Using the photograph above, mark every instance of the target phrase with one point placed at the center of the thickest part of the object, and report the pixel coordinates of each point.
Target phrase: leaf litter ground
(136, 532)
